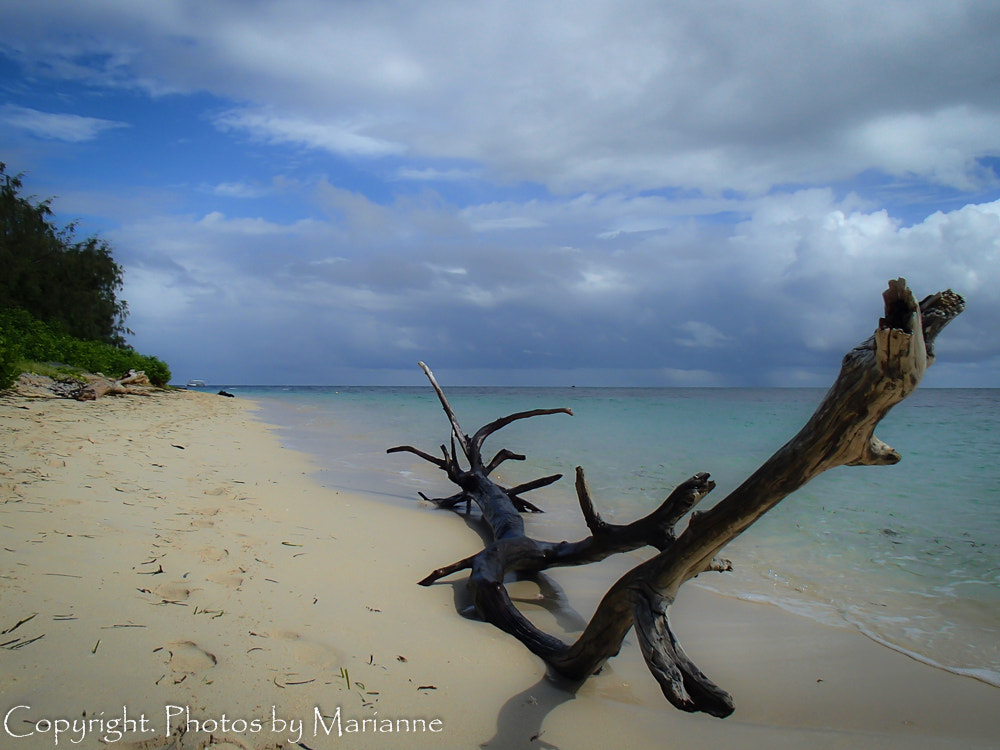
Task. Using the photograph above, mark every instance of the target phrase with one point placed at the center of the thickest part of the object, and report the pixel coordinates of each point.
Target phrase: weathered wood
(874, 376)
(101, 385)
(98, 387)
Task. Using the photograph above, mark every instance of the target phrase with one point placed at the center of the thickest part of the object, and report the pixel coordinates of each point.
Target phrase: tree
(875, 375)
(54, 276)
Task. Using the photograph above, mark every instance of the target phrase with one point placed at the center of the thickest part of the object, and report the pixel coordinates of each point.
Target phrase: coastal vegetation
(59, 295)
(28, 344)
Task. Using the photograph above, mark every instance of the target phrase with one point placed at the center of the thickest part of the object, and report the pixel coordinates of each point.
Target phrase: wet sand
(163, 560)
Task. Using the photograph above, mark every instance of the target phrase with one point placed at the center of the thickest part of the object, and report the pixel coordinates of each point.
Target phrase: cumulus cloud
(678, 191)
(672, 304)
(575, 96)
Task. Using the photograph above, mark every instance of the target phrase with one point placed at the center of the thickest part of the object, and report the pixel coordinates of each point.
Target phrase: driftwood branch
(874, 376)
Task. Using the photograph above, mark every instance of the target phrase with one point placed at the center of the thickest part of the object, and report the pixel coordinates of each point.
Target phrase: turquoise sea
(909, 554)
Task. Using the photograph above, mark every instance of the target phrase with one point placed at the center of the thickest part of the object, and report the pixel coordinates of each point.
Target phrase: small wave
(989, 676)
(833, 616)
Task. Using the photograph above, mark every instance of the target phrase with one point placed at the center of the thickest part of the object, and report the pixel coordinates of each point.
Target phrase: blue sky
(552, 193)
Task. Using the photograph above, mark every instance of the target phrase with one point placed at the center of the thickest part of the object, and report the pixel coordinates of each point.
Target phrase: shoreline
(168, 551)
(855, 584)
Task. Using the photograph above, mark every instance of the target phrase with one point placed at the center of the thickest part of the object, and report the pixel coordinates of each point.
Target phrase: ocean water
(909, 554)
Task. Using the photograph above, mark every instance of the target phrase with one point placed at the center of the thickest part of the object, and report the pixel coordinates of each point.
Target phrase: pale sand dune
(169, 553)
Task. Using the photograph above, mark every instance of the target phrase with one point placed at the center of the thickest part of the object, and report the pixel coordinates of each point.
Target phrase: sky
(519, 193)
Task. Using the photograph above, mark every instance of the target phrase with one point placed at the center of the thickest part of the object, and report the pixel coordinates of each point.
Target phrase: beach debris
(86, 386)
(286, 682)
(17, 643)
(18, 624)
(874, 376)
(99, 385)
(215, 613)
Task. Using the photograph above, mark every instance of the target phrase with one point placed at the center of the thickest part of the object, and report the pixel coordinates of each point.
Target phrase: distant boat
(196, 384)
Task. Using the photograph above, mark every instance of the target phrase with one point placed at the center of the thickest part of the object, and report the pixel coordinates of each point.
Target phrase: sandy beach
(167, 568)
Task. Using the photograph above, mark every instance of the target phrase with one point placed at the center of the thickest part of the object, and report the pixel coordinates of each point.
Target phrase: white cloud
(658, 143)
(775, 300)
(942, 146)
(572, 95)
(338, 137)
(237, 190)
(699, 334)
(506, 222)
(429, 174)
(60, 127)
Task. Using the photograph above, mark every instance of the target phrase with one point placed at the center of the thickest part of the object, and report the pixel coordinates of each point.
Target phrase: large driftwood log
(874, 376)
(101, 385)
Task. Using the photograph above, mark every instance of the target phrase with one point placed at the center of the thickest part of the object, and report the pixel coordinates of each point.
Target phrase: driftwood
(85, 387)
(101, 385)
(874, 376)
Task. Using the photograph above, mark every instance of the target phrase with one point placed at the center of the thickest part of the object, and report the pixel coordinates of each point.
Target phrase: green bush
(22, 337)
(10, 355)
(50, 272)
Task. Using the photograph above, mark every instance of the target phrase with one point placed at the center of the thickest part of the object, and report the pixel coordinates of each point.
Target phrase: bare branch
(593, 519)
(534, 484)
(456, 429)
(499, 458)
(484, 432)
(874, 376)
(441, 463)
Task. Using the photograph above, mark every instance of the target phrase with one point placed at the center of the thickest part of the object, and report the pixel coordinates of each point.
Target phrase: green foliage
(58, 295)
(24, 338)
(10, 357)
(53, 275)
(52, 370)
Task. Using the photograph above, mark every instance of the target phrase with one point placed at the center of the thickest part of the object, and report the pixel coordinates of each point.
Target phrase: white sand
(219, 579)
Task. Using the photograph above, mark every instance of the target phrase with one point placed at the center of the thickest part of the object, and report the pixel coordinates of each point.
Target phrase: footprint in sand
(229, 580)
(308, 652)
(188, 658)
(172, 592)
(212, 554)
(206, 514)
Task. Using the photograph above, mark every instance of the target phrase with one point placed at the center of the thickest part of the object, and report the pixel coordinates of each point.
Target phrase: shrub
(10, 355)
(24, 338)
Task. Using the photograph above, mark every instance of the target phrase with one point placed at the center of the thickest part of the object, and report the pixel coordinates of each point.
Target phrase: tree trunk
(875, 375)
